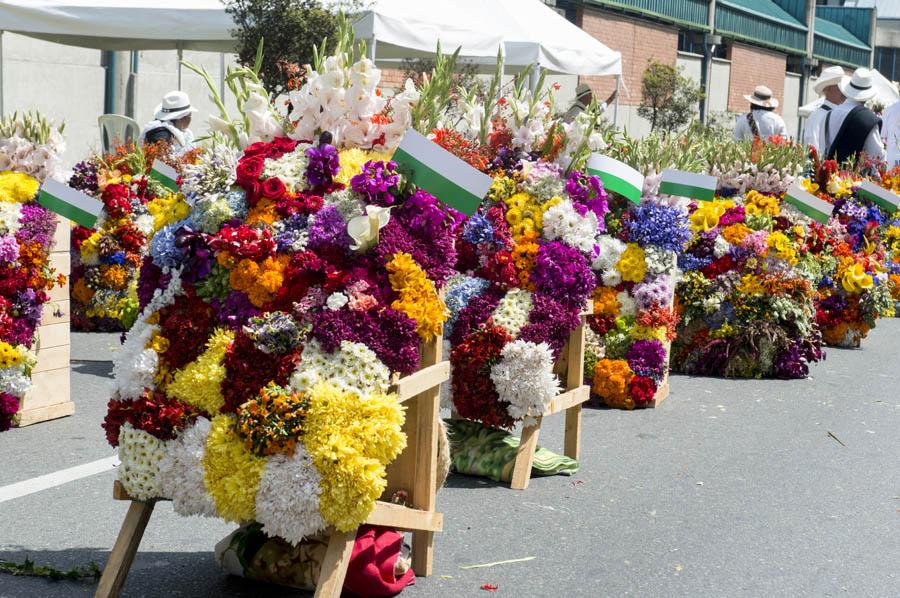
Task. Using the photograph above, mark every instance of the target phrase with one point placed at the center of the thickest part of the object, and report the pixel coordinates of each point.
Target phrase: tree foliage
(669, 99)
(289, 28)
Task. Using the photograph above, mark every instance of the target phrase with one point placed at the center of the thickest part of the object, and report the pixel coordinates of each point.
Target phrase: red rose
(253, 191)
(273, 188)
(255, 149)
(284, 144)
(249, 169)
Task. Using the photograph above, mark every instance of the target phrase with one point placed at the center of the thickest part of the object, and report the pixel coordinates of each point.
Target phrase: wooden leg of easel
(525, 456)
(424, 488)
(123, 552)
(573, 432)
(334, 566)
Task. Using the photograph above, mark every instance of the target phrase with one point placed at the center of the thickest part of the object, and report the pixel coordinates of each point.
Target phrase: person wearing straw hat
(760, 122)
(583, 98)
(827, 86)
(851, 128)
(171, 121)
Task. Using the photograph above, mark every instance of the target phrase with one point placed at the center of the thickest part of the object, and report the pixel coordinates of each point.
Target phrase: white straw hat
(828, 77)
(175, 105)
(762, 97)
(859, 86)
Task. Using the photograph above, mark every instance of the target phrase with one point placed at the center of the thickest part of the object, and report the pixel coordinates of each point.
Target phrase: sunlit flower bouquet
(26, 239)
(107, 258)
(746, 305)
(256, 381)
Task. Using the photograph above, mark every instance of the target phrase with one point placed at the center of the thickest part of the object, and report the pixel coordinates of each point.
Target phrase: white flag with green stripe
(688, 184)
(69, 203)
(434, 169)
(165, 174)
(617, 176)
(880, 196)
(817, 209)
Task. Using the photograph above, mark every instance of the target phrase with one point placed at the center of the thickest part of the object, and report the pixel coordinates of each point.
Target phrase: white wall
(790, 104)
(63, 82)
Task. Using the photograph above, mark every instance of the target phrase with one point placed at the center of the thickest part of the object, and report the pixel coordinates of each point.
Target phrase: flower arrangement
(106, 259)
(633, 320)
(28, 155)
(746, 298)
(273, 316)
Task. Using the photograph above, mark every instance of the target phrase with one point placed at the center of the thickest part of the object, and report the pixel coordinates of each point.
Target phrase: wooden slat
(662, 393)
(52, 358)
(404, 518)
(425, 484)
(428, 377)
(525, 456)
(62, 236)
(55, 312)
(568, 399)
(42, 414)
(334, 566)
(50, 387)
(53, 335)
(122, 556)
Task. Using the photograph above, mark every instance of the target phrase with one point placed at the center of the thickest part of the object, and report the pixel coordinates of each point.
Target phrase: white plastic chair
(116, 129)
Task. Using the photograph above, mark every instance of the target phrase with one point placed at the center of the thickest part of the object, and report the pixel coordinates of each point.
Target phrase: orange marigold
(605, 302)
(611, 380)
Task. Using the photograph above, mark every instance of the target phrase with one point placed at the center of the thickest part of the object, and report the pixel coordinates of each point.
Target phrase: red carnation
(642, 390)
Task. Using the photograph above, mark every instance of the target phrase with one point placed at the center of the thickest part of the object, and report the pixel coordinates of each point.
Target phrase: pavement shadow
(101, 369)
(456, 480)
(163, 574)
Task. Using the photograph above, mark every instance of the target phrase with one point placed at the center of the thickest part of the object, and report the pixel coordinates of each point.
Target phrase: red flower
(155, 413)
(249, 169)
(273, 188)
(474, 394)
(642, 390)
(718, 267)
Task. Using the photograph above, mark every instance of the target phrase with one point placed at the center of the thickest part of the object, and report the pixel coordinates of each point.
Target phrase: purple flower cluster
(550, 322)
(652, 225)
(436, 254)
(323, 165)
(647, 358)
(9, 249)
(478, 229)
(563, 273)
(84, 177)
(327, 228)
(376, 181)
(476, 311)
(587, 193)
(235, 310)
(389, 333)
(274, 333)
(37, 225)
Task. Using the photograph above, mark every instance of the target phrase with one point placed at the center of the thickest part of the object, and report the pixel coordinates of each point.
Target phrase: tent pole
(1, 74)
(533, 77)
(180, 57)
(222, 74)
(616, 101)
(371, 49)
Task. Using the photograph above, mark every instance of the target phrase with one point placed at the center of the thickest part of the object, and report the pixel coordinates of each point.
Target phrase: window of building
(887, 61)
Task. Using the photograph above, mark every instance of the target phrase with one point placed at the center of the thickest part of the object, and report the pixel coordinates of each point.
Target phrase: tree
(289, 28)
(669, 99)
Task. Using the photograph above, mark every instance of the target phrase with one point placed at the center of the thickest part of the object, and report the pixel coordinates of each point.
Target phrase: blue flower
(162, 246)
(659, 226)
(478, 229)
(460, 291)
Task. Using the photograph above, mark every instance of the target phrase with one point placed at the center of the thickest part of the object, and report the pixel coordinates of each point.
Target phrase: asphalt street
(729, 488)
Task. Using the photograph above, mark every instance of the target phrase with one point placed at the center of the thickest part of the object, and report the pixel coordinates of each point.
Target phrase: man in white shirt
(890, 132)
(761, 122)
(827, 87)
(851, 128)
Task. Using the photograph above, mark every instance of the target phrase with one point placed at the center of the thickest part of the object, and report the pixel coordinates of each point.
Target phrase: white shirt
(183, 139)
(767, 122)
(890, 132)
(811, 134)
(872, 147)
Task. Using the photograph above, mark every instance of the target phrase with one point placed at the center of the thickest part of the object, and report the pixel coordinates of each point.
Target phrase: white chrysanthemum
(611, 277)
(562, 222)
(290, 168)
(523, 377)
(626, 303)
(287, 501)
(134, 366)
(611, 249)
(347, 203)
(353, 367)
(144, 223)
(14, 381)
(9, 217)
(140, 454)
(513, 310)
(181, 472)
(336, 301)
(720, 246)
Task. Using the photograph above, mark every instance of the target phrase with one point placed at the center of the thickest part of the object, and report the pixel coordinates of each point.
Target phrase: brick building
(729, 46)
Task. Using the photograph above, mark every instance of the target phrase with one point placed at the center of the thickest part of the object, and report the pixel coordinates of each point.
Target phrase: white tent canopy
(527, 32)
(122, 24)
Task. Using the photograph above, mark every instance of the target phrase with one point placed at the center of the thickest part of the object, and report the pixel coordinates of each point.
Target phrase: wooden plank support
(567, 400)
(425, 379)
(403, 518)
(525, 456)
(122, 556)
(334, 567)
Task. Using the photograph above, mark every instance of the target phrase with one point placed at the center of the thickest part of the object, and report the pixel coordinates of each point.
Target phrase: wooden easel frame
(569, 367)
(414, 472)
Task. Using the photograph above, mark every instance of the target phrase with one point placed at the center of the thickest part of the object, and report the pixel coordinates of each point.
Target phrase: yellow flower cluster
(231, 473)
(17, 187)
(525, 213)
(892, 238)
(351, 440)
(501, 189)
(782, 246)
(750, 285)
(735, 233)
(611, 380)
(272, 422)
(90, 247)
(809, 186)
(632, 265)
(839, 186)
(418, 298)
(168, 209)
(10, 357)
(707, 214)
(114, 276)
(854, 279)
(352, 161)
(199, 382)
(757, 203)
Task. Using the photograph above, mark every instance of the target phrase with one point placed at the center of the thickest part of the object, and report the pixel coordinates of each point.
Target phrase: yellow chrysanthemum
(231, 473)
(632, 264)
(9, 356)
(17, 187)
(168, 209)
(418, 297)
(89, 246)
(735, 233)
(352, 161)
(757, 203)
(199, 382)
(649, 333)
(351, 440)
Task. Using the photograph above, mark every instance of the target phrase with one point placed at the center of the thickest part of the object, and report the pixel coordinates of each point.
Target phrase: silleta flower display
(28, 155)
